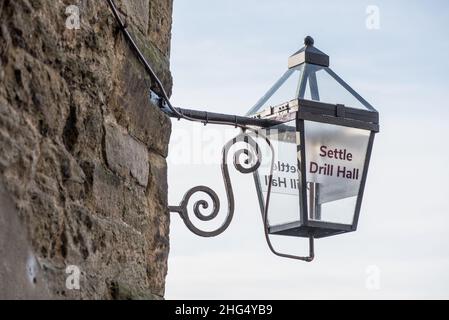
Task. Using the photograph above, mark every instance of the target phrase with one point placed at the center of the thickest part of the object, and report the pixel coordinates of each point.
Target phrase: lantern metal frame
(301, 110)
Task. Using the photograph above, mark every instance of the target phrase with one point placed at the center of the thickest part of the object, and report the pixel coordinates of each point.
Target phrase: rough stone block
(134, 111)
(114, 199)
(125, 155)
(158, 178)
(20, 274)
(160, 24)
(136, 12)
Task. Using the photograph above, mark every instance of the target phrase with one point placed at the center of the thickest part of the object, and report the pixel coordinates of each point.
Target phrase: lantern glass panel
(284, 90)
(284, 204)
(322, 84)
(335, 159)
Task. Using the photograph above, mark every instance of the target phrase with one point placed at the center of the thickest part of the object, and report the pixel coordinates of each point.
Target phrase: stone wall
(82, 151)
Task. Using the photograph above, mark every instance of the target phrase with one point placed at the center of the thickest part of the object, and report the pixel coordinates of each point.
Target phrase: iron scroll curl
(253, 159)
(252, 153)
(246, 160)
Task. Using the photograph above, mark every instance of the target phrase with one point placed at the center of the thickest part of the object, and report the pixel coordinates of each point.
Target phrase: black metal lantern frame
(309, 62)
(254, 126)
(299, 111)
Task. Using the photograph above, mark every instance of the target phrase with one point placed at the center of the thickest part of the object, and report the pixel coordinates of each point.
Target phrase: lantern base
(317, 229)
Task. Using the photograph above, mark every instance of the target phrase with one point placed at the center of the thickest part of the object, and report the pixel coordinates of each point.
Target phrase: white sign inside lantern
(335, 157)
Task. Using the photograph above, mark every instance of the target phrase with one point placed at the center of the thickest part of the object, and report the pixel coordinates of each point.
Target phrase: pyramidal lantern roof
(309, 77)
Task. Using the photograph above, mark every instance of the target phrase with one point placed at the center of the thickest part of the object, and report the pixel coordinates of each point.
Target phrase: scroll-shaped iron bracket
(252, 152)
(246, 160)
(251, 164)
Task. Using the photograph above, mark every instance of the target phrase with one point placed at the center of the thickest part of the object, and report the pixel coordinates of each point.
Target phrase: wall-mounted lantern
(323, 149)
(319, 134)
(320, 138)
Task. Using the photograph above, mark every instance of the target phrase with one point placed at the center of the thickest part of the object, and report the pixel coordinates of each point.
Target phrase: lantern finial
(308, 54)
(308, 41)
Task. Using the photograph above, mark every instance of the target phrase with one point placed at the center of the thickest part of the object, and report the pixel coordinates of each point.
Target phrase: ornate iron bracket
(251, 164)
(252, 152)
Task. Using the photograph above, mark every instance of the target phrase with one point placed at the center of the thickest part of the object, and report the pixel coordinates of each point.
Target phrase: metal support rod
(314, 206)
(212, 117)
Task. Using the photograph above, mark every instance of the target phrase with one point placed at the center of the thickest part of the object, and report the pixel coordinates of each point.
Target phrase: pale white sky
(225, 55)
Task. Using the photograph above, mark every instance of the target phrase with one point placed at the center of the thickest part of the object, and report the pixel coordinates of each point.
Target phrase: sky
(225, 55)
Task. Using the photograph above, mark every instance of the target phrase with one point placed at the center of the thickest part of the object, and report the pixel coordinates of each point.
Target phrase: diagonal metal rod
(191, 115)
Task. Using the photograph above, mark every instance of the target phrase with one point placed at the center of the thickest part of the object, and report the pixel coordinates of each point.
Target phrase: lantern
(322, 149)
